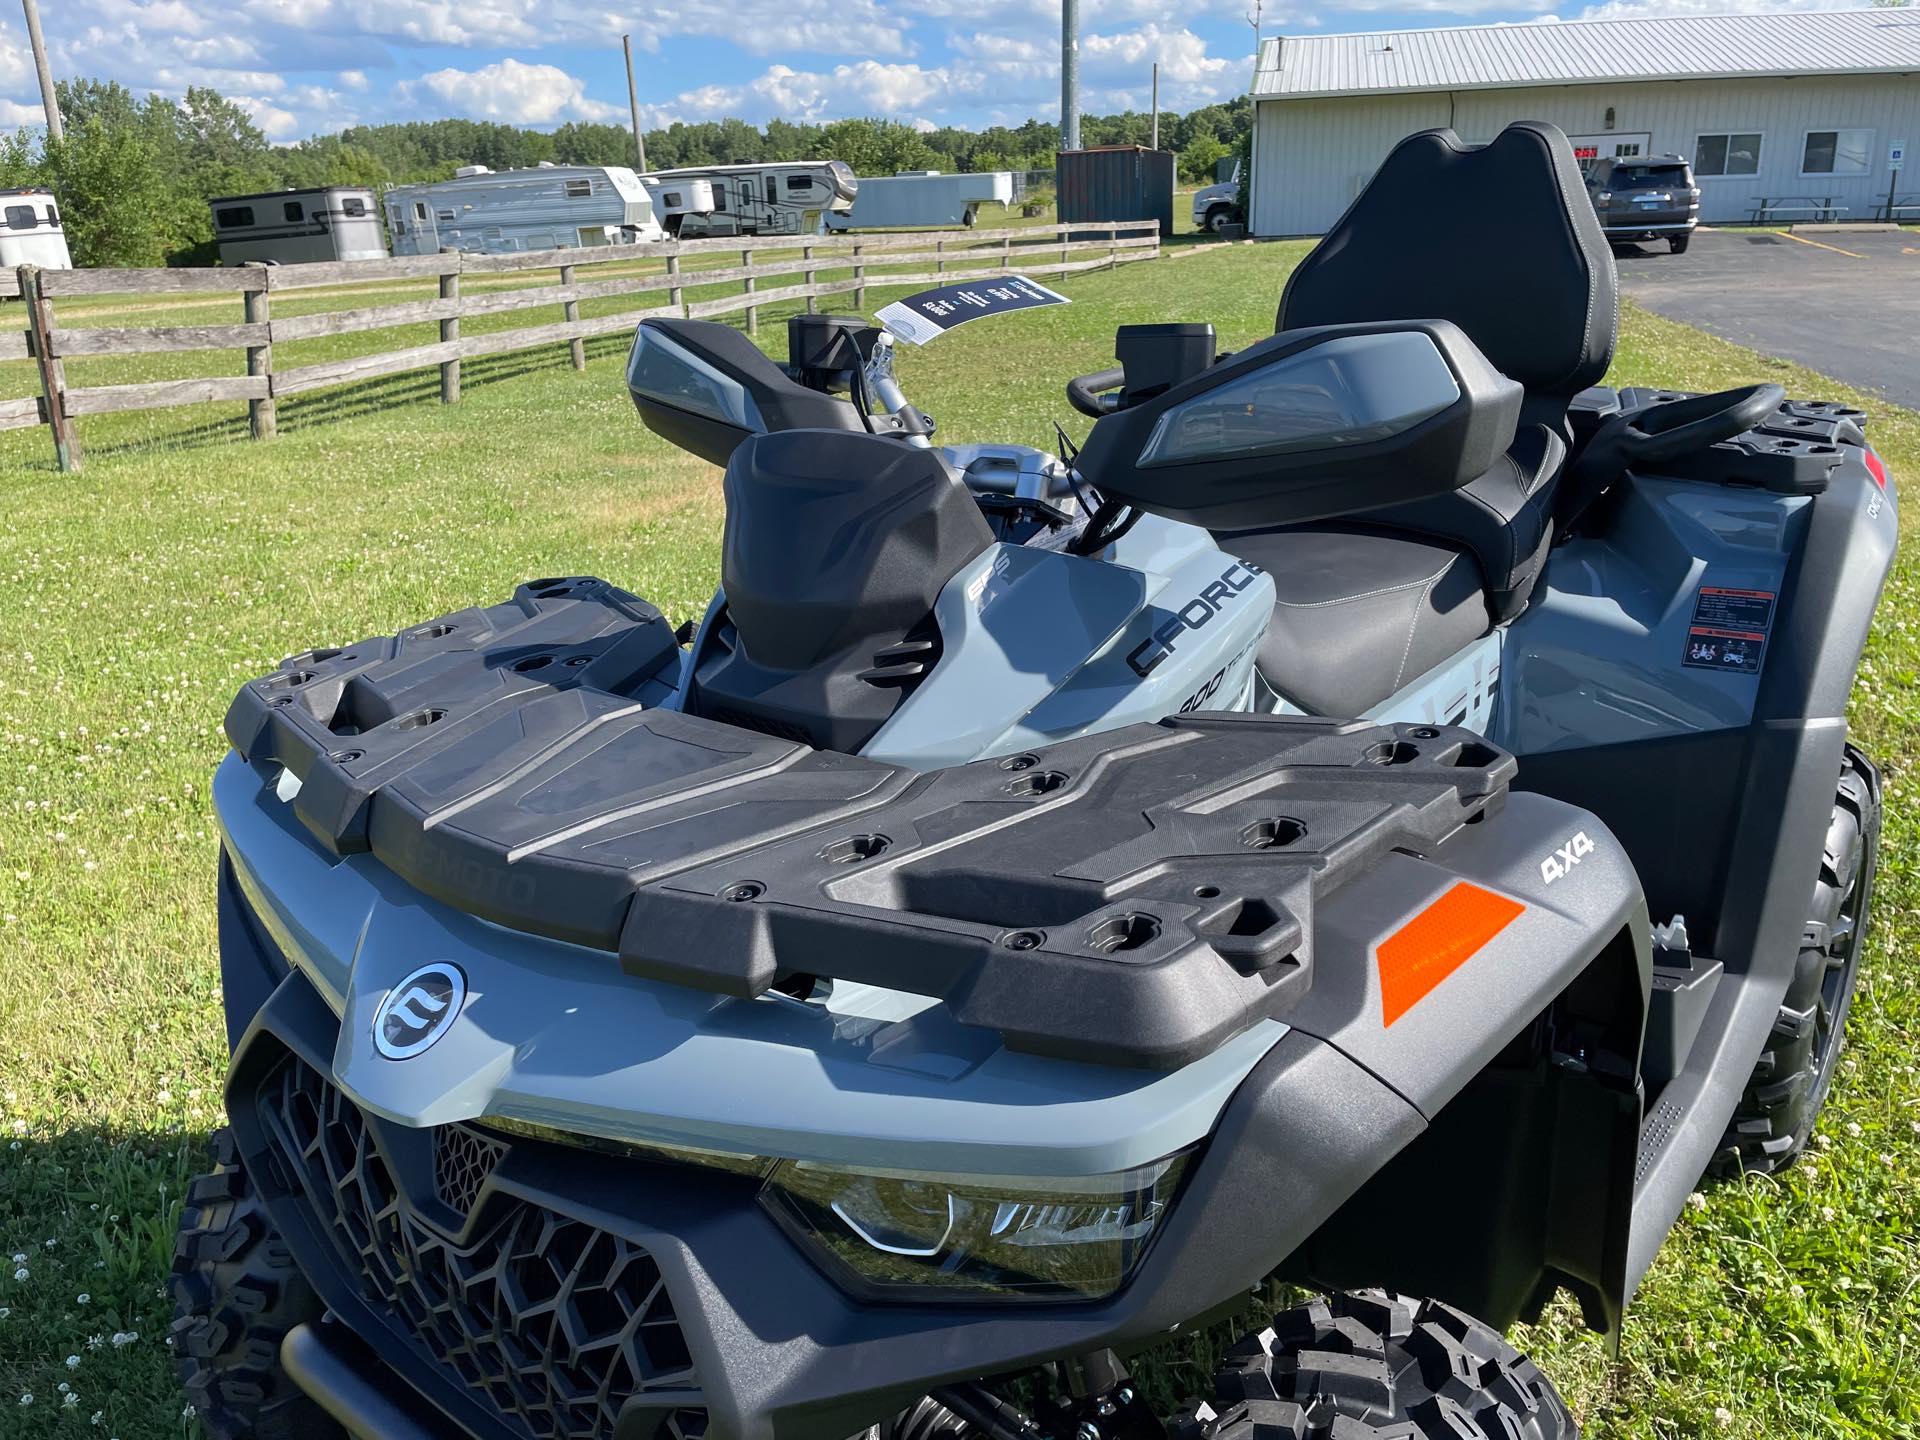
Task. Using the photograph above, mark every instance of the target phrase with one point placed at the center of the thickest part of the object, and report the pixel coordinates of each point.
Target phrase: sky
(306, 67)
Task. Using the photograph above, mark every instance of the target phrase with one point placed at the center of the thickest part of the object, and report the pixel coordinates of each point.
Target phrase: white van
(30, 232)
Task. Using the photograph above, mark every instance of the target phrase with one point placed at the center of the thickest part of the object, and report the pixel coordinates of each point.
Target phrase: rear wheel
(236, 1292)
(1678, 244)
(1376, 1366)
(1790, 1083)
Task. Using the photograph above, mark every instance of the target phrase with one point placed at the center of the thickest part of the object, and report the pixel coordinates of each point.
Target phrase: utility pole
(55, 130)
(1069, 74)
(633, 103)
(1253, 19)
(1156, 106)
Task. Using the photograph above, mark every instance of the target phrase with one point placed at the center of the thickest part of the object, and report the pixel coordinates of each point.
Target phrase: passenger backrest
(1498, 238)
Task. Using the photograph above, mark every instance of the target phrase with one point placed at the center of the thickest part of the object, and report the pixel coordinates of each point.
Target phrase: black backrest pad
(836, 546)
(1498, 238)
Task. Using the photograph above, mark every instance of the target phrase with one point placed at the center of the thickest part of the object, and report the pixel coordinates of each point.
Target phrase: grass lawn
(187, 559)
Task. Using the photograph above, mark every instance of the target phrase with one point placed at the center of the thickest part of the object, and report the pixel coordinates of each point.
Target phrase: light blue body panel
(1597, 657)
(555, 1034)
(1036, 645)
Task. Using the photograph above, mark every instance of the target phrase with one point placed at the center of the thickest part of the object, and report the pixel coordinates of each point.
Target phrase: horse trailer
(922, 199)
(545, 207)
(292, 227)
(30, 232)
(778, 197)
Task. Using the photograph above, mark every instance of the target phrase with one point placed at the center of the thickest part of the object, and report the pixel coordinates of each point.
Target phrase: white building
(1793, 109)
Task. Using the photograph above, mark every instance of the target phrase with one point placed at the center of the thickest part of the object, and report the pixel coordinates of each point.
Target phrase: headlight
(1603, 198)
(941, 1237)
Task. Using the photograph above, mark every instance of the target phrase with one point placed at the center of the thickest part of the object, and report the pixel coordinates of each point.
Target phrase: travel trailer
(292, 227)
(775, 198)
(547, 207)
(922, 199)
(30, 232)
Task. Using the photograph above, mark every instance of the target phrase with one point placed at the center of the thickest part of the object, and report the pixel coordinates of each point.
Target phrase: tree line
(133, 176)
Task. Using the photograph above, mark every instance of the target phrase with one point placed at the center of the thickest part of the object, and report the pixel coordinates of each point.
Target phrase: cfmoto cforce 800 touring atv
(1046, 895)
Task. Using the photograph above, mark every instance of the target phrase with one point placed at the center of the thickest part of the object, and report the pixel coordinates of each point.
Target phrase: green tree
(876, 147)
(1198, 159)
(119, 197)
(585, 143)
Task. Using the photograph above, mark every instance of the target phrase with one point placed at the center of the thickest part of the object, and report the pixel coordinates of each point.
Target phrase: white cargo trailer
(547, 207)
(786, 197)
(923, 199)
(289, 227)
(30, 232)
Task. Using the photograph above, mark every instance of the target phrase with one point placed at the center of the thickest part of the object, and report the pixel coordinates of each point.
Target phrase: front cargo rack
(1134, 897)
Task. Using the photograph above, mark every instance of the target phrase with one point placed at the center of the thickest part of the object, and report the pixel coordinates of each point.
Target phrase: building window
(353, 205)
(1735, 153)
(21, 217)
(293, 211)
(1836, 152)
(235, 217)
(579, 189)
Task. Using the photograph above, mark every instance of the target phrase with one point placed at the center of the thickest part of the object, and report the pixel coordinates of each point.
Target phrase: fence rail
(861, 262)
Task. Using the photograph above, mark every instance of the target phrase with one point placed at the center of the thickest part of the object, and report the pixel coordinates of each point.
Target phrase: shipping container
(1116, 182)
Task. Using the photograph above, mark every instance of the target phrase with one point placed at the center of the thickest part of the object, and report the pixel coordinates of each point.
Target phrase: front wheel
(236, 1294)
(1219, 218)
(1376, 1366)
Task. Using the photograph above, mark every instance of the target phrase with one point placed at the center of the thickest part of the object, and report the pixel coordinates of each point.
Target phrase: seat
(1538, 295)
(1359, 613)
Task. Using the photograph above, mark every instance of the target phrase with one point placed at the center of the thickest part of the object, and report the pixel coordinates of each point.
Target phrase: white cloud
(516, 92)
(276, 123)
(353, 79)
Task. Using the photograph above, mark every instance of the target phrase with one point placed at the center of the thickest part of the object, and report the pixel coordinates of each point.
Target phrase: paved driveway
(1846, 304)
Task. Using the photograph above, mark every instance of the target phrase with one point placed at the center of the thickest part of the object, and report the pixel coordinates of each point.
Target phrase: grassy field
(187, 559)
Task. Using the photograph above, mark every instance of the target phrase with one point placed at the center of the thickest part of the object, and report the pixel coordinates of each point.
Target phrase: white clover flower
(124, 1337)
(73, 1362)
(82, 1298)
(48, 1244)
(63, 1387)
(1722, 1416)
(1823, 1140)
(1696, 1201)
(21, 1273)
(20, 1258)
(26, 1398)
(69, 1400)
(97, 1417)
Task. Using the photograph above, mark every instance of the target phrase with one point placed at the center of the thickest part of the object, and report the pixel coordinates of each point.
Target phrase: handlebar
(1083, 391)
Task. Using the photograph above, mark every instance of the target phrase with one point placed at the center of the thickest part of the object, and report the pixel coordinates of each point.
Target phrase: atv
(1377, 816)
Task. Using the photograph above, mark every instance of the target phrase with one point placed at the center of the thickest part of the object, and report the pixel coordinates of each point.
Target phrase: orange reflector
(1437, 942)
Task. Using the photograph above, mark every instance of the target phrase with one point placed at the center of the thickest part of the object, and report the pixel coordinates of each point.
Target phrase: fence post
(812, 277)
(450, 329)
(1113, 245)
(262, 421)
(939, 257)
(859, 279)
(1066, 239)
(53, 375)
(675, 295)
(1006, 254)
(576, 347)
(750, 285)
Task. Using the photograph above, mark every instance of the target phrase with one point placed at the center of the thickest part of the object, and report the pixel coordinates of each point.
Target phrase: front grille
(552, 1320)
(462, 1161)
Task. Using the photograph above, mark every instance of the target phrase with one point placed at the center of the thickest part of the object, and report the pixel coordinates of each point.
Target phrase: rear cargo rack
(1133, 898)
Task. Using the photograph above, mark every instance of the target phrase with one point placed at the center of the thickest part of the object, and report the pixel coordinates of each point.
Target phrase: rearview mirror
(1311, 424)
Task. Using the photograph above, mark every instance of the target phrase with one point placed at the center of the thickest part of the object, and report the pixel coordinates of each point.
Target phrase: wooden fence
(872, 261)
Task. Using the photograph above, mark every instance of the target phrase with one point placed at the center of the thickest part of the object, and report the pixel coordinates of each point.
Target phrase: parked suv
(1643, 197)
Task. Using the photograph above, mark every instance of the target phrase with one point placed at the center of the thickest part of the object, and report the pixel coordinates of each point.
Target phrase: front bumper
(525, 1290)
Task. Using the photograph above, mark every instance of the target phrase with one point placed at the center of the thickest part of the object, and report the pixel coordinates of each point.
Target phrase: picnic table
(1899, 205)
(1816, 207)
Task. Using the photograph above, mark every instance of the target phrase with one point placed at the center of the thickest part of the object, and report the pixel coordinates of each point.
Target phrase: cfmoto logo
(1559, 865)
(419, 1010)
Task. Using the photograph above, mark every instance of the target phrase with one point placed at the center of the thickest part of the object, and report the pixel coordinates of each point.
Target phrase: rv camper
(922, 199)
(775, 198)
(30, 232)
(291, 227)
(547, 207)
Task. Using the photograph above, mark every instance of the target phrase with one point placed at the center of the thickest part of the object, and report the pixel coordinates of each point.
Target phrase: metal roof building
(1786, 107)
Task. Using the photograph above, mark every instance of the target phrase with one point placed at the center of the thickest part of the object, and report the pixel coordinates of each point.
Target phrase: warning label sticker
(1729, 629)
